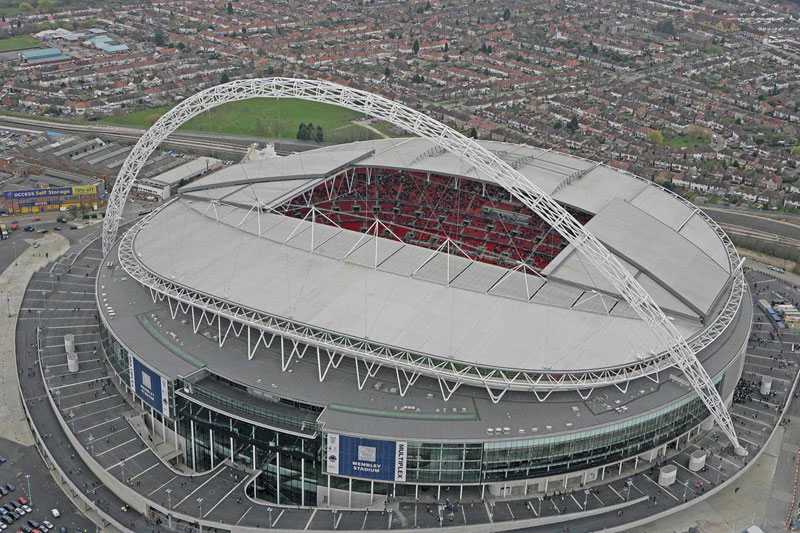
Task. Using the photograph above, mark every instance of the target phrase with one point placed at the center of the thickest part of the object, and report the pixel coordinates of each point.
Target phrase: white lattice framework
(679, 353)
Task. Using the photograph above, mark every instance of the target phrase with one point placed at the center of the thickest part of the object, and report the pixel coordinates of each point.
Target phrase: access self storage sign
(383, 460)
(77, 190)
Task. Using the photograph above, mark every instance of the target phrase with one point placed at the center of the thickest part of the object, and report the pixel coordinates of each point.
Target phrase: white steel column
(194, 463)
(211, 446)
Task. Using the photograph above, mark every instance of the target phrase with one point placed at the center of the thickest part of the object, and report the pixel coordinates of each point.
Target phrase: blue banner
(366, 458)
(150, 386)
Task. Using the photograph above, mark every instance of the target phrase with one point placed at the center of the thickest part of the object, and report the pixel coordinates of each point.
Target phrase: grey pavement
(97, 413)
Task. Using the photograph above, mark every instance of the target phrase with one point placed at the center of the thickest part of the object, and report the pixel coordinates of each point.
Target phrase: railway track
(194, 141)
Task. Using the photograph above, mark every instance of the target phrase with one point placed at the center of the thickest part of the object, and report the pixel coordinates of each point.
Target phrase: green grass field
(262, 118)
(682, 141)
(18, 43)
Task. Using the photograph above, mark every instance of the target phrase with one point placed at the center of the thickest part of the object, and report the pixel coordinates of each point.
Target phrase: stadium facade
(384, 317)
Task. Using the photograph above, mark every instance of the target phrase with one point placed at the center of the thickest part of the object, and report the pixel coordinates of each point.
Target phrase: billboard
(78, 190)
(366, 458)
(150, 386)
(54, 191)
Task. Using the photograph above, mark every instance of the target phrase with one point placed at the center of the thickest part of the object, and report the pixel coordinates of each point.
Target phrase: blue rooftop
(41, 55)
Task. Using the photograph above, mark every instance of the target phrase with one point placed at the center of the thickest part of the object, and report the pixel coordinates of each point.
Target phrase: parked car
(57, 228)
(55, 512)
(37, 219)
(11, 487)
(14, 226)
(47, 524)
(73, 227)
(22, 501)
(3, 491)
(29, 228)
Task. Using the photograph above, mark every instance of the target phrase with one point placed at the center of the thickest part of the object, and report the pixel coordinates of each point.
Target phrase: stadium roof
(486, 314)
(173, 349)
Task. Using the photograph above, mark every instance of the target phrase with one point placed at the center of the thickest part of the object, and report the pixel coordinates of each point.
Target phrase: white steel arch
(452, 141)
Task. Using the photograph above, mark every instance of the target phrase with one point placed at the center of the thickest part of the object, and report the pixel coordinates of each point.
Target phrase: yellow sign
(78, 190)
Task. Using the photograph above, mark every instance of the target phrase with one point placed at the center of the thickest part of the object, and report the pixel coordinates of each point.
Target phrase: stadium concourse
(60, 300)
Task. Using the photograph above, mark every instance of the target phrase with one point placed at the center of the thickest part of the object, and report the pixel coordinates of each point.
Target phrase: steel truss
(679, 352)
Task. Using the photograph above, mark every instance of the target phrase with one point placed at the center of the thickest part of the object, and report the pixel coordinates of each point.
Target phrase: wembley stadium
(424, 315)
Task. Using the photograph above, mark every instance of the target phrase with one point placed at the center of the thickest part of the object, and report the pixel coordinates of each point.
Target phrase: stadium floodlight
(471, 152)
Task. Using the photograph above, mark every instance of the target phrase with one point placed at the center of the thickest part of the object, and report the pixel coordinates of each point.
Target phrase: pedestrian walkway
(12, 286)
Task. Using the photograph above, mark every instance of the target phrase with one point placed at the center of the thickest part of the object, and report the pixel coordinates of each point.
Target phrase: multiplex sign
(366, 458)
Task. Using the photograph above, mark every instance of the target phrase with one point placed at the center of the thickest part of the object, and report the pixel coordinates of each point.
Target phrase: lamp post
(14, 245)
(540, 505)
(30, 496)
(169, 503)
(200, 505)
(685, 488)
(122, 464)
(270, 518)
(91, 444)
(586, 498)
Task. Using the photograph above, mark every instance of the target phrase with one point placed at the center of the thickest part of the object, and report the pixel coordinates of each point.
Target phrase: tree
(698, 134)
(655, 137)
(224, 78)
(159, 39)
(666, 26)
(446, 47)
(415, 46)
(319, 135)
(506, 14)
(230, 8)
(427, 5)
(244, 32)
(489, 49)
(45, 5)
(572, 125)
(302, 132)
(416, 79)
(387, 72)
(473, 133)
(483, 48)
(24, 6)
